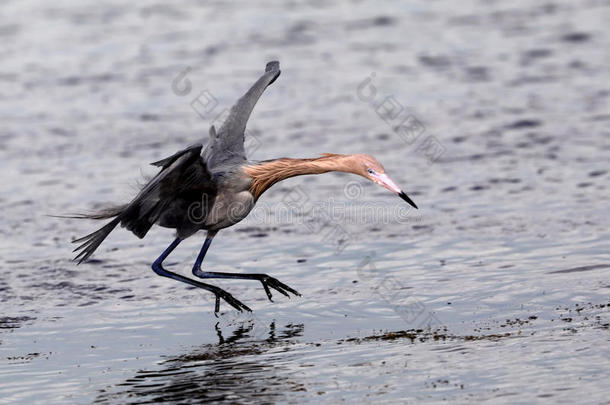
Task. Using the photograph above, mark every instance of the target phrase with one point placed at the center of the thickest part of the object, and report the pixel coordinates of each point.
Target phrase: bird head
(368, 167)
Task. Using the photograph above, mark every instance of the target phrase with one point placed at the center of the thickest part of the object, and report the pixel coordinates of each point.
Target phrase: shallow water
(496, 289)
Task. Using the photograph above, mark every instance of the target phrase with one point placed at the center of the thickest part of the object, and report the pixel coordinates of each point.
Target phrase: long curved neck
(267, 173)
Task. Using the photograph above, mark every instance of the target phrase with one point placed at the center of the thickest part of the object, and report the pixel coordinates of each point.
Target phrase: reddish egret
(217, 188)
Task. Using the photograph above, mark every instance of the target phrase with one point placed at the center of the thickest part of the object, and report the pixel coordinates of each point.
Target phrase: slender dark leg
(157, 267)
(204, 250)
(266, 281)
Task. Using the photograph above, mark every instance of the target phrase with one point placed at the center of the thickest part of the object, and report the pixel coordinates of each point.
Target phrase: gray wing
(183, 179)
(228, 142)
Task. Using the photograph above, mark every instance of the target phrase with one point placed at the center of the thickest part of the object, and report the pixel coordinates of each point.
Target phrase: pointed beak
(385, 181)
(407, 199)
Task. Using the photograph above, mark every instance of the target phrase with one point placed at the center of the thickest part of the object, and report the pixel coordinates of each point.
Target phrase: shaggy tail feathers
(92, 241)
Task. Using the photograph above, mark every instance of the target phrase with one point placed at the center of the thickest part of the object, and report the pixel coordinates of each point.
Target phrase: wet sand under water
(497, 289)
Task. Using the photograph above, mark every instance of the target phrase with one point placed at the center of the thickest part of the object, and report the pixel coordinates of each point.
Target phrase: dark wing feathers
(184, 176)
(228, 142)
(169, 160)
(182, 172)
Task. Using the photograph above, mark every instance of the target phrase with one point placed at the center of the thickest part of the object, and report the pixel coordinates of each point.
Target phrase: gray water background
(496, 290)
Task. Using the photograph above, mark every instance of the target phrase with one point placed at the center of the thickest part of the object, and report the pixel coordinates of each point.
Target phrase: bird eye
(371, 171)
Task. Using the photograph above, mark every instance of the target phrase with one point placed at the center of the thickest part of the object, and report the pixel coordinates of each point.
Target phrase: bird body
(215, 188)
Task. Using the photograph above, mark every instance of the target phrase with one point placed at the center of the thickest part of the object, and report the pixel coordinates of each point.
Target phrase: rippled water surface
(493, 115)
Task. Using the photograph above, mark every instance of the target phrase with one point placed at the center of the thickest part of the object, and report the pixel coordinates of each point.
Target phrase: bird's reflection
(242, 332)
(236, 369)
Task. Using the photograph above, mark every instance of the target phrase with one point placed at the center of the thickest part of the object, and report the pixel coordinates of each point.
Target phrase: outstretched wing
(183, 179)
(228, 142)
(165, 199)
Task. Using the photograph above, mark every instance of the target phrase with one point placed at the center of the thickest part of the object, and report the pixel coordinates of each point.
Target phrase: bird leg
(157, 267)
(266, 281)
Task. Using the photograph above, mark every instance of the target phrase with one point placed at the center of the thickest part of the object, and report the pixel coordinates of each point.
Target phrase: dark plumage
(215, 189)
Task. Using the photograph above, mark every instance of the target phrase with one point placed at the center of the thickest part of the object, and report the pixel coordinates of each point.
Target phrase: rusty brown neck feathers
(267, 173)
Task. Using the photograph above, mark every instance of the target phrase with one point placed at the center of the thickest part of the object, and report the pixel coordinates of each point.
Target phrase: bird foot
(234, 302)
(268, 281)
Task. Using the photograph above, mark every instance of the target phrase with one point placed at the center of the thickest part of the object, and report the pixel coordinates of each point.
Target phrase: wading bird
(216, 189)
